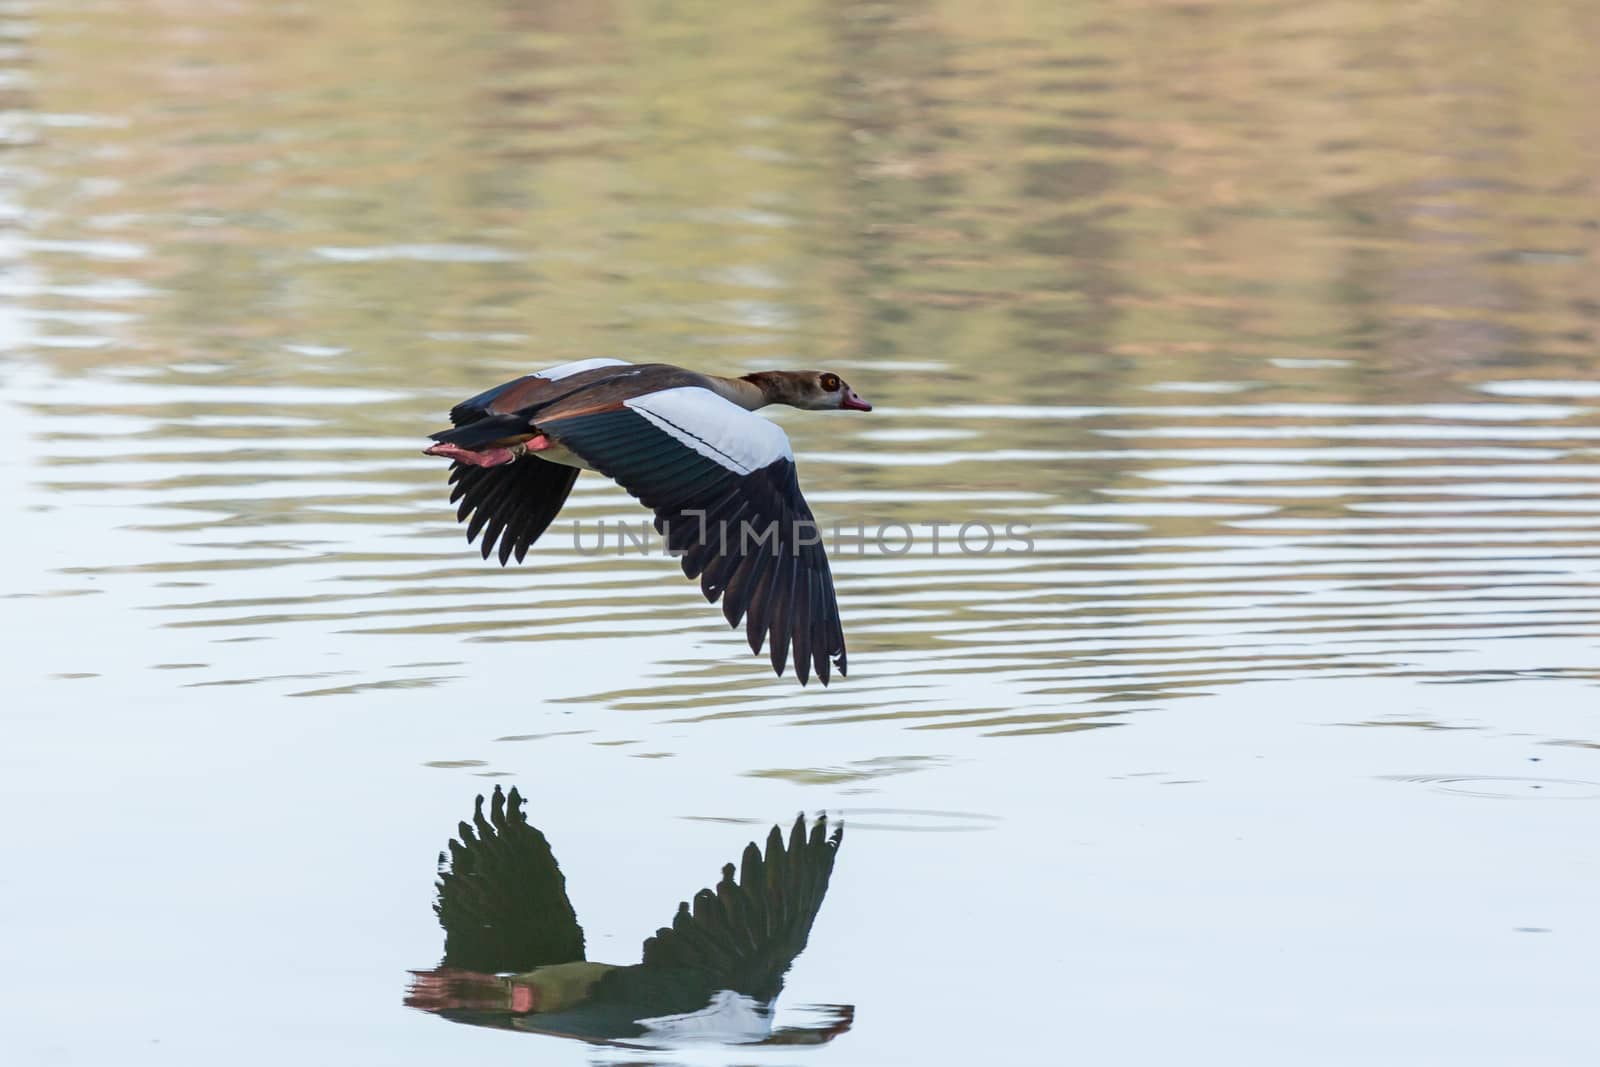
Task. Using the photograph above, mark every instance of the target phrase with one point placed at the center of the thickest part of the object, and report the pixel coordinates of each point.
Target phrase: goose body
(720, 479)
(514, 951)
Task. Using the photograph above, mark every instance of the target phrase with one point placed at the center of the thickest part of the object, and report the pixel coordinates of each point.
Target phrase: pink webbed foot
(489, 457)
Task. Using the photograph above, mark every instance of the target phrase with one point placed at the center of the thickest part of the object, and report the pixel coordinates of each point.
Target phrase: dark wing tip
(511, 505)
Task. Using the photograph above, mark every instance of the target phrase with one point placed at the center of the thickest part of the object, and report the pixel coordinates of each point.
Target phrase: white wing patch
(567, 370)
(716, 428)
(729, 1018)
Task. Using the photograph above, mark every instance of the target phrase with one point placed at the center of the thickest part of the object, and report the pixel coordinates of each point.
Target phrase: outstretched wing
(502, 899)
(722, 483)
(744, 935)
(513, 503)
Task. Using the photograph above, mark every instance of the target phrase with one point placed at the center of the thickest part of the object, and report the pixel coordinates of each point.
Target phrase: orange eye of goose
(830, 382)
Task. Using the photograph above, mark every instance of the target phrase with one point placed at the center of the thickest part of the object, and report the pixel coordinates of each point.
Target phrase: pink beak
(852, 402)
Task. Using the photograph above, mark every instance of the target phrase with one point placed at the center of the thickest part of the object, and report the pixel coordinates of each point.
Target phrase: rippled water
(1274, 324)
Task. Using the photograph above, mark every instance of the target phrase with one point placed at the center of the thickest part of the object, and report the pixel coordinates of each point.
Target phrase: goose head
(812, 390)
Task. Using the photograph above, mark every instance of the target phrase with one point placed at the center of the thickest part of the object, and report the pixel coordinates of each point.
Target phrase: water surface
(1273, 324)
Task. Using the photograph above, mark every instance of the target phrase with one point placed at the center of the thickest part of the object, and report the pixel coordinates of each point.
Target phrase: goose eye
(830, 382)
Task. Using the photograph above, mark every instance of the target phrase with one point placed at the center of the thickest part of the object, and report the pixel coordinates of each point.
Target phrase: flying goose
(720, 479)
(514, 952)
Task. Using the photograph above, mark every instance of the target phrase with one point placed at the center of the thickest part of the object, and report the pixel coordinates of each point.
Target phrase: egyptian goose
(714, 972)
(720, 479)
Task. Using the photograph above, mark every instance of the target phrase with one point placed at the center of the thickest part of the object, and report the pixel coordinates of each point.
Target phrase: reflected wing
(744, 935)
(513, 503)
(723, 486)
(502, 899)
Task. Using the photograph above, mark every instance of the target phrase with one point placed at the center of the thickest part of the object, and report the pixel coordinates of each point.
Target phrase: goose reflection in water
(514, 952)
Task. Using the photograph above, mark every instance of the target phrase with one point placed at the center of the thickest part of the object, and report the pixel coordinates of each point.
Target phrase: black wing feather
(502, 899)
(743, 935)
(513, 503)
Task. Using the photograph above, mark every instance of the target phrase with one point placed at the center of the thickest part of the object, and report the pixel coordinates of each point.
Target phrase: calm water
(1275, 323)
